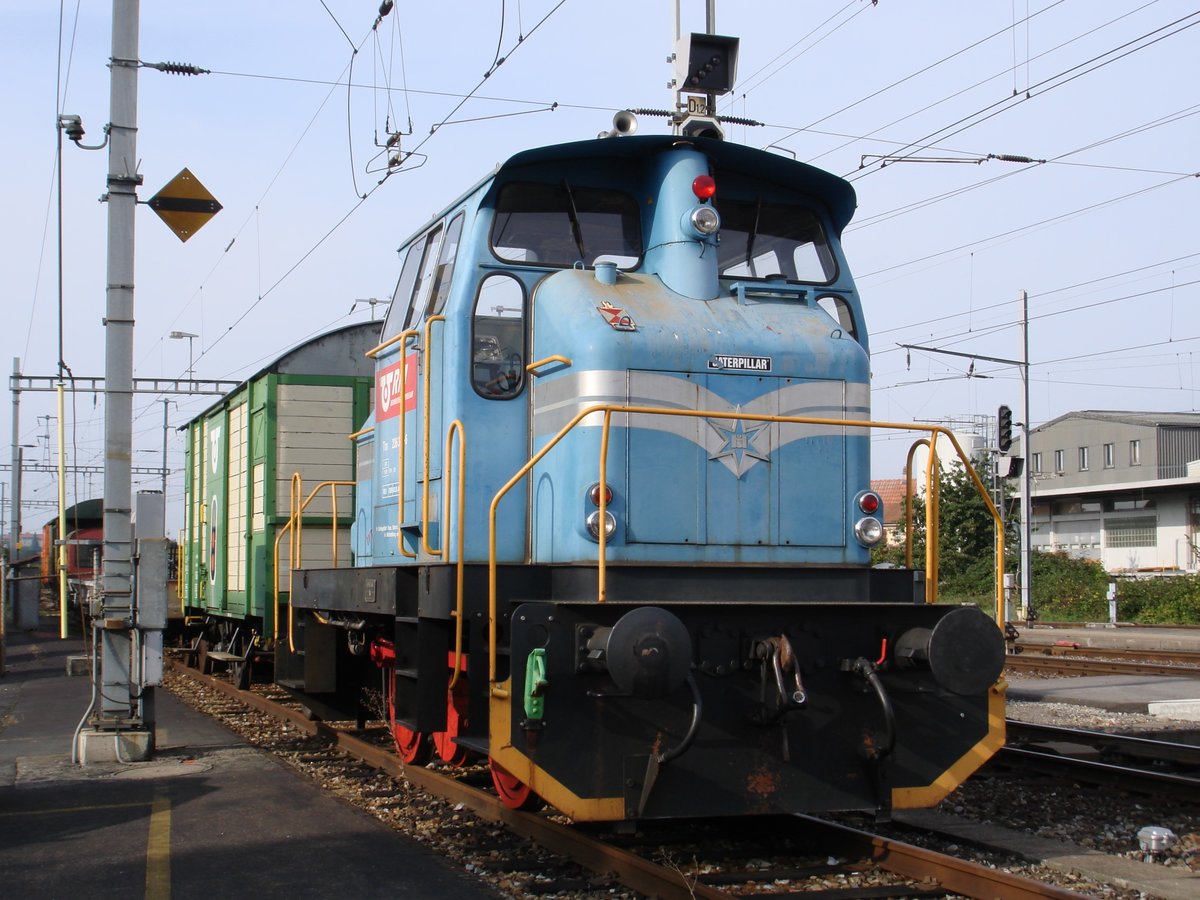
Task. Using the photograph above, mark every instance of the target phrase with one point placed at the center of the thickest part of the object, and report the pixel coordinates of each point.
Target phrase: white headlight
(593, 524)
(869, 531)
(705, 220)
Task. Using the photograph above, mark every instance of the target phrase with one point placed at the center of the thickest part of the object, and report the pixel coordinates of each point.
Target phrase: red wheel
(412, 746)
(448, 750)
(514, 793)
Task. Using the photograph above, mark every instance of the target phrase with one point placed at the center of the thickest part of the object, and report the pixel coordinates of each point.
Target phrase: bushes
(1066, 589)
(1076, 590)
(1159, 601)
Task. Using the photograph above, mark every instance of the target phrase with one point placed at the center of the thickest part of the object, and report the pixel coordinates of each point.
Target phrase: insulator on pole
(177, 68)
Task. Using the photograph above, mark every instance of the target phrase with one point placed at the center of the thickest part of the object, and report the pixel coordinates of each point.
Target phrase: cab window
(403, 313)
(445, 267)
(761, 240)
(838, 309)
(400, 310)
(498, 338)
(424, 287)
(561, 224)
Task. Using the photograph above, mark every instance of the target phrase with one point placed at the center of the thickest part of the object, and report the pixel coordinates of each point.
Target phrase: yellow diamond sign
(185, 205)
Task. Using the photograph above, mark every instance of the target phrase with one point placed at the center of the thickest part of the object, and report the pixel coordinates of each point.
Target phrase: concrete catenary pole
(123, 180)
(15, 520)
(1026, 479)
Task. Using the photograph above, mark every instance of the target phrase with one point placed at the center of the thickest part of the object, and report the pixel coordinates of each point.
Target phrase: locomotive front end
(716, 642)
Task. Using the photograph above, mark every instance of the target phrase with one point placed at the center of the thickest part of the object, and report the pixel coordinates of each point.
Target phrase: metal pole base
(98, 746)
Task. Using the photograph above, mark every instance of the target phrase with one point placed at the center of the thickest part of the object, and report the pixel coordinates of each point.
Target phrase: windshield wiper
(750, 238)
(576, 230)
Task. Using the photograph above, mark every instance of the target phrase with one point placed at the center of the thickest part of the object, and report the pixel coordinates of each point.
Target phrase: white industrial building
(1122, 488)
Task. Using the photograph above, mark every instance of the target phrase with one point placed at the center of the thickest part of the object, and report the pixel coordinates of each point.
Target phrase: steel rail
(1125, 744)
(1028, 648)
(1124, 626)
(955, 875)
(1062, 665)
(633, 871)
(1145, 781)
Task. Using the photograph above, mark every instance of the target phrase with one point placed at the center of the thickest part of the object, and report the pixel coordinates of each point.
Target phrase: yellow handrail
(275, 579)
(933, 490)
(403, 337)
(533, 367)
(432, 551)
(294, 528)
(608, 409)
(908, 507)
(375, 351)
(456, 427)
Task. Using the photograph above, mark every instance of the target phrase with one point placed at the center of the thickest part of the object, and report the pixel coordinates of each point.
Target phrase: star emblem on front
(738, 448)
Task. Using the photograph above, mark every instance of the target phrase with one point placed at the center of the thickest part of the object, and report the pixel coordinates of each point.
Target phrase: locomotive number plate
(741, 363)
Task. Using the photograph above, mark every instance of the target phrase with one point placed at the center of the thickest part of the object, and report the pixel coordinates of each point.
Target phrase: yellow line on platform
(158, 847)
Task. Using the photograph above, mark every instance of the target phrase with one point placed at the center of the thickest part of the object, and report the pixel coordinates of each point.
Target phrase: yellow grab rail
(432, 551)
(375, 351)
(607, 410)
(533, 367)
(293, 528)
(456, 427)
(908, 506)
(403, 337)
(933, 490)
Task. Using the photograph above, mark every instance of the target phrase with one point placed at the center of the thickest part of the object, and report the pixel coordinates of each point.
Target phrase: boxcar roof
(339, 352)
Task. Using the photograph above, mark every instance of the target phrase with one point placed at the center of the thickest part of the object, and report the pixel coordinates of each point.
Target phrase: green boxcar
(292, 417)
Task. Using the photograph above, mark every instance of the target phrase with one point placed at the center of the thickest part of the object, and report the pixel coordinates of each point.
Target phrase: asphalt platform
(1168, 697)
(208, 816)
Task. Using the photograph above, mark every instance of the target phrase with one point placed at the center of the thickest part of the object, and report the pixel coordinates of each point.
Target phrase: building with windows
(891, 492)
(1122, 488)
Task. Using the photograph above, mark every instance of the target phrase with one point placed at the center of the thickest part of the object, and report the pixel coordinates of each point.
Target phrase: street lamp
(178, 336)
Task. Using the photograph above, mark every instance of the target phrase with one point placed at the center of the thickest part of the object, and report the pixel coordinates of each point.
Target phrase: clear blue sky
(1103, 235)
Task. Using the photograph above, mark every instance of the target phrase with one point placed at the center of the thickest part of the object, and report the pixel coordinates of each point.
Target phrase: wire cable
(911, 76)
(1043, 87)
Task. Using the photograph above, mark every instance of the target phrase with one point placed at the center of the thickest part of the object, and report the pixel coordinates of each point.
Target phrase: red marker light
(704, 187)
(869, 503)
(594, 495)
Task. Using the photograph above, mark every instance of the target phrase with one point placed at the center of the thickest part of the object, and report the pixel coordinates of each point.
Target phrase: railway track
(1140, 765)
(1046, 659)
(771, 855)
(1071, 649)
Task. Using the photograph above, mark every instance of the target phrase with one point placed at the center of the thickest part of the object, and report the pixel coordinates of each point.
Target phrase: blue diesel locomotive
(613, 518)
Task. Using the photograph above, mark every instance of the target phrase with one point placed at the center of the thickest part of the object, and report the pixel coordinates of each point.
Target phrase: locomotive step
(222, 656)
